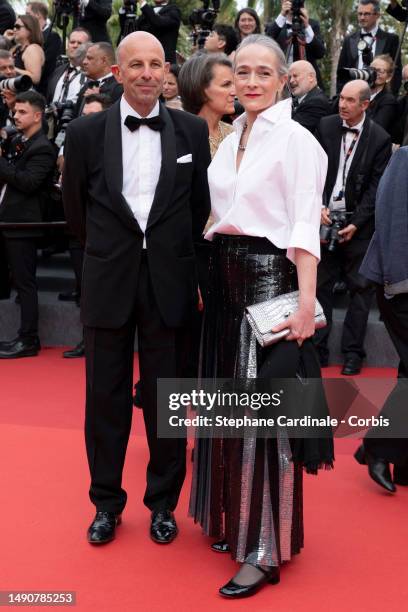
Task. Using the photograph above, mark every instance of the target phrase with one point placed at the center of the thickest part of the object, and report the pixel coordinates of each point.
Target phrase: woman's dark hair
(253, 14)
(227, 33)
(32, 25)
(195, 76)
(175, 70)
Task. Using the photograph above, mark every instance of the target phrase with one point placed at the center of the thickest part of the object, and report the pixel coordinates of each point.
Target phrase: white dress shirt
(369, 40)
(339, 180)
(277, 191)
(75, 84)
(141, 161)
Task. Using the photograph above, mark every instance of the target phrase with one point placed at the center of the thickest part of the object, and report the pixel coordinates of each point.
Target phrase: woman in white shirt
(266, 184)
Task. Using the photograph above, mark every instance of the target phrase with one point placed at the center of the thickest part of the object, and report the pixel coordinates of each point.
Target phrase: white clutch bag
(263, 317)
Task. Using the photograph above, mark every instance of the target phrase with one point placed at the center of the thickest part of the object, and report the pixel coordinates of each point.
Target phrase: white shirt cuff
(142, 4)
(85, 3)
(280, 21)
(309, 34)
(304, 236)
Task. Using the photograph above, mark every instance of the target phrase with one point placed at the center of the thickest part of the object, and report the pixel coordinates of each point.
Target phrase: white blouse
(277, 191)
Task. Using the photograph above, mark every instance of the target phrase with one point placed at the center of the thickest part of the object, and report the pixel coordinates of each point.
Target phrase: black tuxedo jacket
(28, 181)
(110, 87)
(55, 77)
(164, 25)
(100, 217)
(52, 49)
(94, 19)
(378, 145)
(386, 43)
(313, 107)
(383, 110)
(314, 50)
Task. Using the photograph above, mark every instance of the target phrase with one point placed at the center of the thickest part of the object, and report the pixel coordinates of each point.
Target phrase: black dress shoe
(8, 343)
(352, 366)
(102, 528)
(221, 547)
(237, 591)
(163, 528)
(77, 351)
(69, 296)
(378, 469)
(21, 347)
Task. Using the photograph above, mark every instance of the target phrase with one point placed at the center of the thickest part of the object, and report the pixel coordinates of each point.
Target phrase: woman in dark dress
(383, 104)
(266, 183)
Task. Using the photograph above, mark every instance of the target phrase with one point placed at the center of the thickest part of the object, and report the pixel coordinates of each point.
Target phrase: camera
(16, 84)
(202, 21)
(12, 143)
(66, 7)
(330, 233)
(61, 113)
(297, 23)
(365, 74)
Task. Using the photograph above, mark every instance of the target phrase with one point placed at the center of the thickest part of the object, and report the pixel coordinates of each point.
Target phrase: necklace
(216, 140)
(242, 147)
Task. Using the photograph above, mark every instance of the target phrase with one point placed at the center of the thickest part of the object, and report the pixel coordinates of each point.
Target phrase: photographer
(358, 150)
(360, 48)
(25, 178)
(52, 42)
(395, 10)
(308, 44)
(7, 97)
(222, 39)
(383, 104)
(97, 67)
(400, 131)
(7, 16)
(94, 15)
(309, 103)
(66, 81)
(163, 21)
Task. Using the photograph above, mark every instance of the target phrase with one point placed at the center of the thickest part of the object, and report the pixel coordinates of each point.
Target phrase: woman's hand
(9, 34)
(301, 325)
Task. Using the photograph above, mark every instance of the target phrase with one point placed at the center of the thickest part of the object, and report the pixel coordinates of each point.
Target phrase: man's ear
(116, 73)
(166, 67)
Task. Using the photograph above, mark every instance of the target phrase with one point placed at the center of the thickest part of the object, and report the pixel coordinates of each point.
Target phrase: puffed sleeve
(305, 176)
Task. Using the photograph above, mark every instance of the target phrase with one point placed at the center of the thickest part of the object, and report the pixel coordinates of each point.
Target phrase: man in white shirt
(136, 195)
(358, 150)
(360, 48)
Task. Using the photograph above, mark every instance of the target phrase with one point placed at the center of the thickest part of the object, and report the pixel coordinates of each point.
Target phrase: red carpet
(355, 552)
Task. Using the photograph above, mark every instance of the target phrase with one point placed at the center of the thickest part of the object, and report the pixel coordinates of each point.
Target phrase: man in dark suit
(94, 15)
(396, 10)
(97, 67)
(360, 48)
(52, 42)
(312, 46)
(163, 21)
(136, 195)
(7, 16)
(25, 181)
(310, 104)
(358, 150)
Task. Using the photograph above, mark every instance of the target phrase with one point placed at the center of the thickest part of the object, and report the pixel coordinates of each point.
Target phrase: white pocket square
(185, 159)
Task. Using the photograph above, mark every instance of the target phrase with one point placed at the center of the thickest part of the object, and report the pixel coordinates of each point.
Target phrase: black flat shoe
(220, 547)
(163, 528)
(77, 351)
(232, 590)
(102, 528)
(378, 469)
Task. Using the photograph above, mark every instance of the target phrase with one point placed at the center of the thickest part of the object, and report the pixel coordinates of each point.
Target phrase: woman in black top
(383, 104)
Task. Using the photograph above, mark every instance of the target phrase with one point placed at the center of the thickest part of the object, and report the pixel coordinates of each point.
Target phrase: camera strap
(347, 155)
(70, 75)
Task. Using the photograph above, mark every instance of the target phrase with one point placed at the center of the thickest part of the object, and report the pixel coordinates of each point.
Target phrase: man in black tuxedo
(52, 42)
(310, 104)
(97, 65)
(281, 31)
(7, 16)
(94, 15)
(25, 182)
(136, 195)
(163, 21)
(67, 80)
(358, 150)
(360, 48)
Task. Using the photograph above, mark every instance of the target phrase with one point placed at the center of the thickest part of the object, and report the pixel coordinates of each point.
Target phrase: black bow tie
(154, 123)
(365, 34)
(345, 129)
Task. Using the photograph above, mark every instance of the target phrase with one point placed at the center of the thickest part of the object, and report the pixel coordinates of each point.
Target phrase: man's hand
(347, 233)
(90, 91)
(9, 98)
(286, 8)
(325, 216)
(304, 15)
(200, 304)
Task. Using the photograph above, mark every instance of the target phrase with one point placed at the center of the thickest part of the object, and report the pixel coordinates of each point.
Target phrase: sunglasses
(19, 26)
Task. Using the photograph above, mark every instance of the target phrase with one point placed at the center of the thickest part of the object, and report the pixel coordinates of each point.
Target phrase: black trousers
(22, 259)
(347, 257)
(76, 253)
(394, 313)
(109, 376)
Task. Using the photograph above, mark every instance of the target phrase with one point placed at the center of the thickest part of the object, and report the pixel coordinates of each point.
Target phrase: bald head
(302, 78)
(140, 69)
(354, 101)
(136, 41)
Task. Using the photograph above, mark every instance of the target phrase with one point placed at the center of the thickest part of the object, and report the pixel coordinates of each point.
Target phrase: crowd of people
(192, 190)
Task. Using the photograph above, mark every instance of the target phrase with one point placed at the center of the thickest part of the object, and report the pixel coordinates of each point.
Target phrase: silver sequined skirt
(247, 490)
